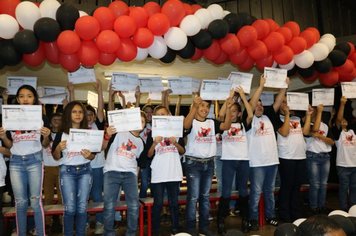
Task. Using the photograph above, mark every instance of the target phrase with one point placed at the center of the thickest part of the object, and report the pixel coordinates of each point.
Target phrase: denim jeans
(113, 181)
(199, 176)
(262, 180)
(158, 197)
(96, 193)
(26, 174)
(318, 166)
(239, 170)
(347, 187)
(145, 181)
(76, 182)
(218, 172)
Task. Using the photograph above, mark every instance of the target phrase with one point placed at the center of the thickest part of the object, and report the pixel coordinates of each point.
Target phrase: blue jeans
(218, 172)
(76, 182)
(347, 187)
(199, 176)
(318, 166)
(113, 181)
(158, 197)
(239, 170)
(96, 193)
(26, 174)
(145, 181)
(262, 180)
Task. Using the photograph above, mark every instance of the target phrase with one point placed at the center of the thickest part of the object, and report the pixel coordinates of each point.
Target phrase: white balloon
(183, 234)
(175, 38)
(204, 17)
(216, 11)
(329, 40)
(82, 13)
(27, 13)
(352, 211)
(274, 65)
(288, 66)
(190, 25)
(353, 104)
(48, 8)
(320, 51)
(299, 221)
(226, 13)
(158, 48)
(304, 59)
(142, 54)
(354, 113)
(339, 212)
(8, 26)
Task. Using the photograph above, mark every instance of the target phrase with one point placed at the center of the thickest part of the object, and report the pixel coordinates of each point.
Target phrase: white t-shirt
(166, 165)
(123, 153)
(71, 158)
(201, 141)
(99, 160)
(48, 159)
(316, 145)
(25, 142)
(293, 146)
(234, 143)
(346, 149)
(2, 169)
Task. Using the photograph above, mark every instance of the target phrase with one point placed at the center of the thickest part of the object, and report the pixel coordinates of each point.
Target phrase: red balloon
(272, 24)
(309, 37)
(264, 62)
(315, 32)
(352, 57)
(262, 28)
(125, 26)
(8, 7)
(197, 55)
(258, 50)
(88, 53)
(119, 8)
(51, 52)
(294, 27)
(274, 41)
(196, 7)
(36, 58)
(212, 52)
(221, 59)
(188, 9)
(143, 38)
(140, 15)
(230, 44)
(158, 24)
(329, 79)
(286, 32)
(352, 49)
(346, 68)
(70, 62)
(68, 42)
(284, 55)
(174, 10)
(108, 41)
(152, 8)
(87, 27)
(239, 57)
(106, 18)
(247, 35)
(298, 45)
(127, 50)
(107, 59)
(247, 65)
(311, 79)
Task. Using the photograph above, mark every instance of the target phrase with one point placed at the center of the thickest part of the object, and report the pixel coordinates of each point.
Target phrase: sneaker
(245, 226)
(205, 232)
(99, 228)
(272, 221)
(254, 225)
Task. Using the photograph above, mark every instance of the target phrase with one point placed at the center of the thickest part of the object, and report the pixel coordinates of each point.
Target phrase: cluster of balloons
(61, 34)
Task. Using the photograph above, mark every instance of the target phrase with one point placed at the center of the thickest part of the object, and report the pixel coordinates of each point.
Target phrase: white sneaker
(14, 233)
(99, 228)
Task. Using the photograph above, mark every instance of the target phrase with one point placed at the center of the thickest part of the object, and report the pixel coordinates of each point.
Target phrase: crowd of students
(253, 142)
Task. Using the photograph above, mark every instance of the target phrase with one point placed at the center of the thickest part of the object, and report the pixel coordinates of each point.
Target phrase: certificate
(196, 85)
(241, 79)
(22, 117)
(182, 85)
(80, 139)
(124, 81)
(323, 96)
(157, 96)
(149, 85)
(348, 89)
(267, 98)
(15, 82)
(275, 78)
(167, 126)
(92, 99)
(298, 101)
(129, 97)
(125, 119)
(55, 99)
(82, 75)
(44, 91)
(215, 89)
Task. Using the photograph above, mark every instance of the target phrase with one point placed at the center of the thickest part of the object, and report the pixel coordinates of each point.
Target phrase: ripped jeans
(26, 173)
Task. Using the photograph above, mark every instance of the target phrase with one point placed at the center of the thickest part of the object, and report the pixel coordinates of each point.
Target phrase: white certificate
(241, 79)
(129, 97)
(124, 81)
(92, 99)
(215, 89)
(196, 85)
(125, 119)
(275, 78)
(149, 85)
(55, 99)
(267, 98)
(155, 96)
(167, 126)
(348, 89)
(323, 96)
(15, 82)
(44, 91)
(80, 139)
(298, 101)
(181, 85)
(82, 75)
(22, 117)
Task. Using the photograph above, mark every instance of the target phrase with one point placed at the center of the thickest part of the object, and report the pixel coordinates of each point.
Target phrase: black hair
(90, 108)
(317, 225)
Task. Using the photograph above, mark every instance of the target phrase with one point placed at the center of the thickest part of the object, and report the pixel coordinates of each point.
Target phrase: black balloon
(323, 66)
(66, 16)
(337, 57)
(345, 223)
(218, 29)
(25, 41)
(245, 19)
(47, 29)
(344, 47)
(188, 51)
(8, 54)
(287, 229)
(307, 72)
(169, 57)
(292, 71)
(202, 40)
(233, 22)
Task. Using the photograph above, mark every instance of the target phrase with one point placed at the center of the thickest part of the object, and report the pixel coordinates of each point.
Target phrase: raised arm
(247, 105)
(340, 113)
(284, 129)
(226, 124)
(70, 88)
(137, 96)
(5, 96)
(257, 94)
(179, 100)
(99, 90)
(188, 120)
(280, 97)
(306, 127)
(319, 112)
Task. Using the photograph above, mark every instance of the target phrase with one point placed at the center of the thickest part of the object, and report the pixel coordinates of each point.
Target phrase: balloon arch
(64, 35)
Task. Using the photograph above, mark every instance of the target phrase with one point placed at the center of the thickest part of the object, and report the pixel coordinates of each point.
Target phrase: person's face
(77, 114)
(259, 109)
(235, 113)
(339, 232)
(56, 122)
(25, 97)
(162, 112)
(90, 117)
(203, 109)
(344, 123)
(148, 111)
